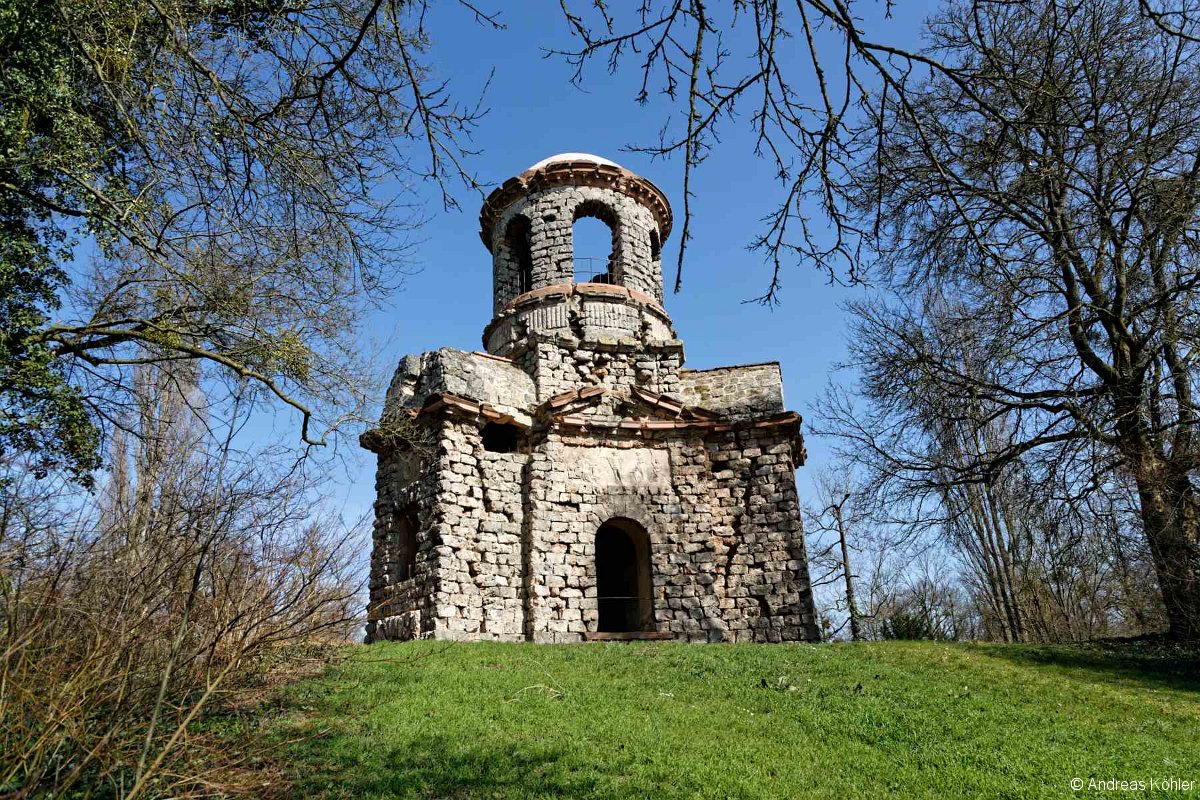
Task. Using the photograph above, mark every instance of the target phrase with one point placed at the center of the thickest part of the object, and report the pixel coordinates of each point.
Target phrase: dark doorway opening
(623, 577)
(403, 561)
(517, 236)
(499, 437)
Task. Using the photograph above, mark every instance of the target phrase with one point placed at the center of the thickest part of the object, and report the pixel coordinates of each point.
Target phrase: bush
(125, 617)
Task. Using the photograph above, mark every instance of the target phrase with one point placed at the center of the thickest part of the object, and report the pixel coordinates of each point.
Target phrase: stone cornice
(449, 404)
(689, 419)
(605, 291)
(785, 420)
(788, 422)
(670, 407)
(575, 173)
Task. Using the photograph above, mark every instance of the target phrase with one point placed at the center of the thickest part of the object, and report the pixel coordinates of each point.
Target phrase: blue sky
(536, 112)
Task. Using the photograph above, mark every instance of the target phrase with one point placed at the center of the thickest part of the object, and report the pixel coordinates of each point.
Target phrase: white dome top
(572, 157)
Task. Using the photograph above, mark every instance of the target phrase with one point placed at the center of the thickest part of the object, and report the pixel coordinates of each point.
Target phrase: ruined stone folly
(574, 481)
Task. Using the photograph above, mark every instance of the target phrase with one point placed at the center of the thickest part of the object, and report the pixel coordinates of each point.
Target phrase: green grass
(744, 721)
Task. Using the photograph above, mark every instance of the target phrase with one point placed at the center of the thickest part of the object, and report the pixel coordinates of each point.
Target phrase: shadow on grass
(1137, 662)
(438, 766)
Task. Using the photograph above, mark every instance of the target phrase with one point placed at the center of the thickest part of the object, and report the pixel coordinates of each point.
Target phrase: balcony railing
(586, 270)
(593, 270)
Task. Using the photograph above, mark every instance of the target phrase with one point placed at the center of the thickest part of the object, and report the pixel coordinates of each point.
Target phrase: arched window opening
(655, 247)
(623, 578)
(404, 544)
(594, 242)
(516, 240)
(500, 437)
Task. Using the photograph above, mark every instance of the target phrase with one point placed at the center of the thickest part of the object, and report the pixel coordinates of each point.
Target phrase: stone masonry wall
(737, 392)
(478, 530)
(485, 378)
(508, 551)
(696, 466)
(551, 215)
(398, 609)
(562, 363)
(728, 561)
(584, 310)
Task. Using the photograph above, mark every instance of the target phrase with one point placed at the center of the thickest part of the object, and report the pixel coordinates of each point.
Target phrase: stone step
(626, 636)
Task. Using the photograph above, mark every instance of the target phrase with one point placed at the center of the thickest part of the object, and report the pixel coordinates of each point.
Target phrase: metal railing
(593, 270)
(584, 270)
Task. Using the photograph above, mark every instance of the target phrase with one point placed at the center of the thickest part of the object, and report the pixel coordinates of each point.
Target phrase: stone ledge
(788, 419)
(606, 291)
(672, 407)
(789, 422)
(577, 297)
(735, 366)
(627, 636)
(602, 344)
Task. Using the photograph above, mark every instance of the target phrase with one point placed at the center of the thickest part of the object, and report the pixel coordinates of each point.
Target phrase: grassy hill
(744, 721)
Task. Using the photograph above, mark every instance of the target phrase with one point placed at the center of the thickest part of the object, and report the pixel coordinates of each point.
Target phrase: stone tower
(574, 481)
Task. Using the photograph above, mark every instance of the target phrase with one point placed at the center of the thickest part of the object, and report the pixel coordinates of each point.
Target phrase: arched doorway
(623, 577)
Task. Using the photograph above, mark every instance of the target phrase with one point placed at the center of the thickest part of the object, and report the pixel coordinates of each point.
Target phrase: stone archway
(623, 584)
(602, 265)
(520, 259)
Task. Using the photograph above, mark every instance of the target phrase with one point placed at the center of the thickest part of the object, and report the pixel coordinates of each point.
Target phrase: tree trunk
(1172, 524)
(855, 632)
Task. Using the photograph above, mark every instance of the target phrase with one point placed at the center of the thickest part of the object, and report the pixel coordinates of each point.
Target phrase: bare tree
(124, 622)
(717, 60)
(1056, 204)
(798, 75)
(930, 604)
(224, 161)
(1050, 541)
(833, 513)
